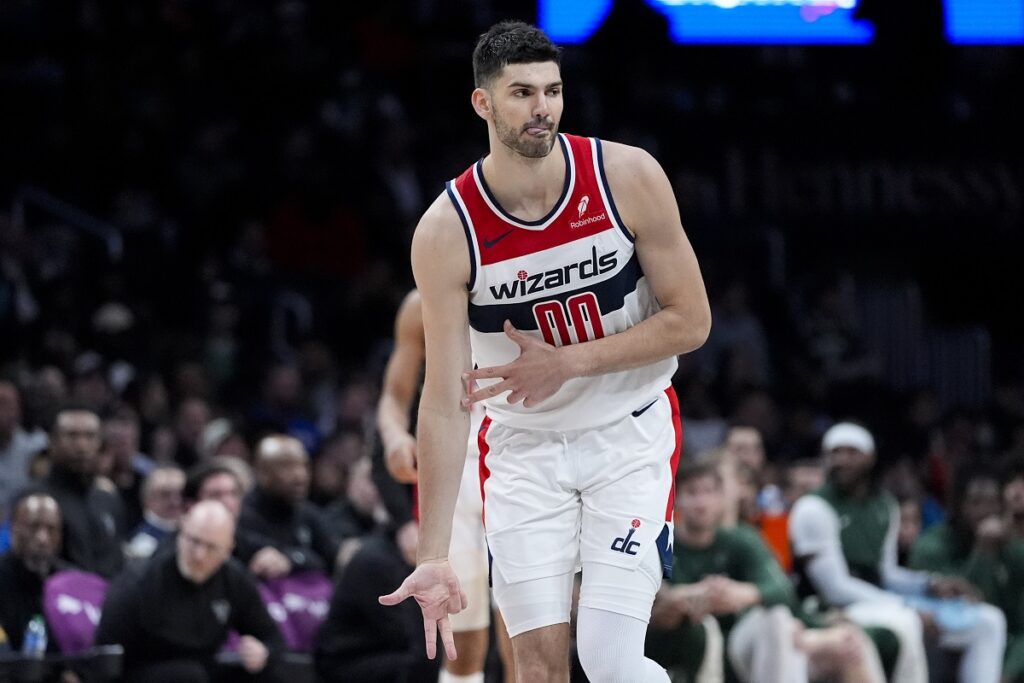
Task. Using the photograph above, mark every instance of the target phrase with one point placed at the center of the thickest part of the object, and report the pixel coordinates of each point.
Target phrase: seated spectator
(362, 640)
(844, 548)
(910, 528)
(35, 540)
(730, 574)
(975, 544)
(1013, 498)
(203, 594)
(93, 518)
(162, 506)
(218, 479)
(17, 446)
(279, 530)
(128, 466)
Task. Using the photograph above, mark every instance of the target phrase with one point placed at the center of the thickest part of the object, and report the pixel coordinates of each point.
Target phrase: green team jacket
(999, 576)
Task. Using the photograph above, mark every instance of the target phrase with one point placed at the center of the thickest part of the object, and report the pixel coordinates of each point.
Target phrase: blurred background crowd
(206, 207)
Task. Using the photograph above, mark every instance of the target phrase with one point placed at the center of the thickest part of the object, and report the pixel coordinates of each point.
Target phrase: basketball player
(468, 553)
(579, 291)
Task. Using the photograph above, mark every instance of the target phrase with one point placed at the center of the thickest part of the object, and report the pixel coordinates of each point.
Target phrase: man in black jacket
(280, 532)
(94, 527)
(35, 539)
(174, 613)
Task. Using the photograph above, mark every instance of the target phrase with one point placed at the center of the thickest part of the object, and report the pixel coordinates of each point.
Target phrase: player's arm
(441, 268)
(648, 207)
(401, 377)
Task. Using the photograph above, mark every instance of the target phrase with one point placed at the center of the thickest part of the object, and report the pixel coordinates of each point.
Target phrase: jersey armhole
(467, 227)
(606, 192)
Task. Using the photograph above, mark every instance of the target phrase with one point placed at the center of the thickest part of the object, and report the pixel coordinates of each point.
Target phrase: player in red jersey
(581, 439)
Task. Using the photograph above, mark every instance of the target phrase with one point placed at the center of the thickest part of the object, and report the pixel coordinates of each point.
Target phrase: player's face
(526, 104)
(848, 467)
(1013, 495)
(699, 502)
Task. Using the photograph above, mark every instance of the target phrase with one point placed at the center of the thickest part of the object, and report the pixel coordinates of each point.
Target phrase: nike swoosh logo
(638, 413)
(490, 243)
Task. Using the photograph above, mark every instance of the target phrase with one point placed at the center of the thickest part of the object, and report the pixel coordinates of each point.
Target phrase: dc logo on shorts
(625, 544)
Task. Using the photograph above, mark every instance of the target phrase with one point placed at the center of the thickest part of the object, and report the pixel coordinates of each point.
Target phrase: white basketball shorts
(558, 501)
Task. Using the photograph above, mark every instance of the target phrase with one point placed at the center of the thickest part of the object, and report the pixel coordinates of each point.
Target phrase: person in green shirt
(976, 544)
(727, 577)
(844, 539)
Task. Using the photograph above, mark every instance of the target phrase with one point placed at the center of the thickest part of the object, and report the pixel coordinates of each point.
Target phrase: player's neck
(526, 188)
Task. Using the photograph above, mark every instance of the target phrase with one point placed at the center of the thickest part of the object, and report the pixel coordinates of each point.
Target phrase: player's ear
(481, 99)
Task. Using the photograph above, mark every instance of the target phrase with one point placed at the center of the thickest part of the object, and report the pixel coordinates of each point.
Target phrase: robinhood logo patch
(526, 283)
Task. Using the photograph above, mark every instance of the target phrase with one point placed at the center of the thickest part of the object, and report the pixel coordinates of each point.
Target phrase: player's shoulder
(440, 217)
(440, 229)
(627, 163)
(439, 242)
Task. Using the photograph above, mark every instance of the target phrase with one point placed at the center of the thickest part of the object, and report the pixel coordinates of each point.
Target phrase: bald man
(174, 613)
(32, 558)
(279, 531)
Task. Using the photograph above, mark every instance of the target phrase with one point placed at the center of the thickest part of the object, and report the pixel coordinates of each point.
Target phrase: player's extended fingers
(492, 372)
(447, 638)
(487, 392)
(430, 634)
(400, 594)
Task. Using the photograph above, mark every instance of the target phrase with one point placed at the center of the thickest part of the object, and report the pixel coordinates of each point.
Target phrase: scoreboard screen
(802, 22)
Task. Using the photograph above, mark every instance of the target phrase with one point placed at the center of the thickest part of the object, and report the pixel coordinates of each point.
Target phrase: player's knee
(604, 664)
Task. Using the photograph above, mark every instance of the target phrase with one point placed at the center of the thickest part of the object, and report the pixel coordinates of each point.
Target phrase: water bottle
(34, 644)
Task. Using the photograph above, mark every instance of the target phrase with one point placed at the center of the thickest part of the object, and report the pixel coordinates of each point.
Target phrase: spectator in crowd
(93, 518)
(362, 640)
(844, 538)
(17, 446)
(279, 530)
(128, 466)
(358, 510)
(162, 508)
(1013, 498)
(744, 442)
(35, 542)
(192, 417)
(730, 575)
(203, 594)
(802, 476)
(910, 528)
(975, 544)
(217, 479)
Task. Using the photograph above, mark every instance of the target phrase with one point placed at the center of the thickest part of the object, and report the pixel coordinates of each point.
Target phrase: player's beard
(520, 142)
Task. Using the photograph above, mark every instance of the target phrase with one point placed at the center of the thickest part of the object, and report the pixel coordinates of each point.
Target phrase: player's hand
(532, 377)
(436, 589)
(252, 653)
(400, 459)
(269, 564)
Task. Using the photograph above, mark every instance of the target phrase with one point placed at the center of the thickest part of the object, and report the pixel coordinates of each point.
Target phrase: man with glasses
(173, 614)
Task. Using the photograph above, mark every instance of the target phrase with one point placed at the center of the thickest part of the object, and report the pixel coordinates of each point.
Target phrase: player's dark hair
(511, 42)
